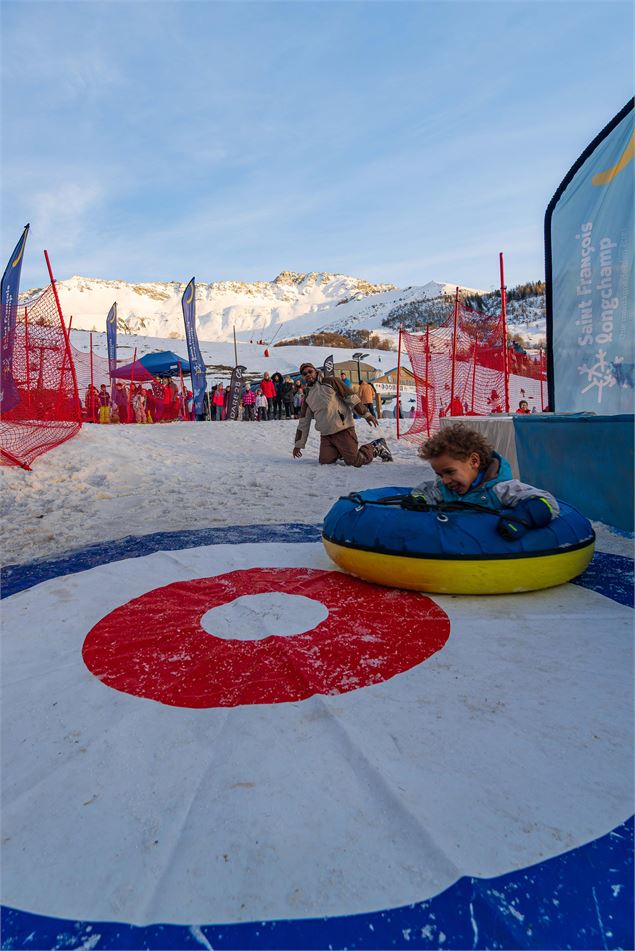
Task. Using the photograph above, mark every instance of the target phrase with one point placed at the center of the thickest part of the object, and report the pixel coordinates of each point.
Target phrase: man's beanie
(303, 366)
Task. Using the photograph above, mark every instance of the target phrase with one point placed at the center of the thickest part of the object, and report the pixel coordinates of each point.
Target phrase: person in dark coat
(286, 392)
(277, 381)
(121, 401)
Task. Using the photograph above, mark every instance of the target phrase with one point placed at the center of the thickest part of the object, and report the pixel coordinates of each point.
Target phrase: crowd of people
(156, 402)
(274, 397)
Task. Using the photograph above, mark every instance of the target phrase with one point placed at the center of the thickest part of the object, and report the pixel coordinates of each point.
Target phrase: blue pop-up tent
(165, 363)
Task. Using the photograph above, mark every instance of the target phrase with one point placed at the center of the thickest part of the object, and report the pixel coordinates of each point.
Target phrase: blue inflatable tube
(454, 550)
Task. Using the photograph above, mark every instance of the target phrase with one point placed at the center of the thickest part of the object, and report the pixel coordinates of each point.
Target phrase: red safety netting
(48, 410)
(463, 374)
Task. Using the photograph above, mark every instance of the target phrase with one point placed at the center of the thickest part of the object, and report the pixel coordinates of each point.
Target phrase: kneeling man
(331, 403)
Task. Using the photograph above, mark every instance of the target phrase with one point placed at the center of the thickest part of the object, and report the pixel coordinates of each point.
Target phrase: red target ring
(155, 647)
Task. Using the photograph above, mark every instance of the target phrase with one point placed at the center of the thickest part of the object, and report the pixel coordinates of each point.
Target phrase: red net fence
(463, 373)
(48, 409)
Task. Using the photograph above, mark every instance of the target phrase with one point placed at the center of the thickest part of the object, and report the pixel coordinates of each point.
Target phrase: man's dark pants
(344, 445)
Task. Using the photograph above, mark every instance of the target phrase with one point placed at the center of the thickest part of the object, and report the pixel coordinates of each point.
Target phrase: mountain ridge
(291, 305)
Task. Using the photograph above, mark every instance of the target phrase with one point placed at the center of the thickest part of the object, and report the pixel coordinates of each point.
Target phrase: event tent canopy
(135, 371)
(165, 363)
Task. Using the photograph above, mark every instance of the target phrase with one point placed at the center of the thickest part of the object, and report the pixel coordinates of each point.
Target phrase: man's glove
(528, 513)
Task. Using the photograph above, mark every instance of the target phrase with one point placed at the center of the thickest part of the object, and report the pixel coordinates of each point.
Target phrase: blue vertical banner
(10, 291)
(197, 367)
(589, 277)
(111, 339)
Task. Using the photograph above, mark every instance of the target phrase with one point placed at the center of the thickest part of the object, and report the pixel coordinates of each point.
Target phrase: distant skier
(331, 404)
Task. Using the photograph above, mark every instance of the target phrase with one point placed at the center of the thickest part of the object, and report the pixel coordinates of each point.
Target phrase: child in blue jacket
(468, 469)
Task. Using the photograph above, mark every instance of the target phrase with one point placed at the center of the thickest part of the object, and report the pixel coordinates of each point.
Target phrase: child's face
(457, 474)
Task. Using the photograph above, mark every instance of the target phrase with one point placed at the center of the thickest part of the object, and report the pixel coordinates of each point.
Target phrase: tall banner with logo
(197, 367)
(111, 339)
(10, 290)
(329, 366)
(235, 389)
(590, 293)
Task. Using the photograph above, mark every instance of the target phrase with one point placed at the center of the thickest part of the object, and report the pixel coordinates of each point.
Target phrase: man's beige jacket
(330, 403)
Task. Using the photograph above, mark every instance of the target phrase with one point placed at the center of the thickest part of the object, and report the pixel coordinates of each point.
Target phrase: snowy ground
(113, 481)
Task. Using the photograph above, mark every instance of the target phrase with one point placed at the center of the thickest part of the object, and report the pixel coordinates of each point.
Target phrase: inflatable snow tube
(451, 549)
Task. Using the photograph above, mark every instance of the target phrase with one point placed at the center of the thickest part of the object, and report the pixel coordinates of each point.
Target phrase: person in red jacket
(92, 404)
(218, 402)
(268, 388)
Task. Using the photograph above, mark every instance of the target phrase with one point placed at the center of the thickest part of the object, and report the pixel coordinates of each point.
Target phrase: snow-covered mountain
(291, 306)
(258, 309)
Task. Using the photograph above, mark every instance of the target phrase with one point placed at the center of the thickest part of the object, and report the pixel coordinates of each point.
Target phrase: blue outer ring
(581, 899)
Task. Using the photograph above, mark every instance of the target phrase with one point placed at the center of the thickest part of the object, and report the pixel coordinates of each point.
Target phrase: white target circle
(253, 617)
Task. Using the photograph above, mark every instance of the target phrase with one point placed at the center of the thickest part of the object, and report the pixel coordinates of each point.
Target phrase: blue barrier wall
(585, 460)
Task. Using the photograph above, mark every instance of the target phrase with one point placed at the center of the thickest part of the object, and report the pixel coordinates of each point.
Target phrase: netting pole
(67, 337)
(504, 319)
(28, 358)
(92, 400)
(63, 371)
(542, 373)
(134, 360)
(398, 401)
(70, 324)
(426, 395)
(454, 336)
(183, 400)
(14, 459)
(474, 371)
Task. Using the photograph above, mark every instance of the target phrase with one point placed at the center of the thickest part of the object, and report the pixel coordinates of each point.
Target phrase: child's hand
(416, 501)
(529, 513)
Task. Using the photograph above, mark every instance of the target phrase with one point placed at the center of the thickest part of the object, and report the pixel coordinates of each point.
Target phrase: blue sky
(401, 142)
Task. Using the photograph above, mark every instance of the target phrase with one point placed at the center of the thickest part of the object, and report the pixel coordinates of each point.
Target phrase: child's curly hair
(458, 441)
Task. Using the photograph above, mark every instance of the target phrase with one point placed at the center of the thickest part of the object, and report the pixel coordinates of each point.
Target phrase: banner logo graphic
(603, 178)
